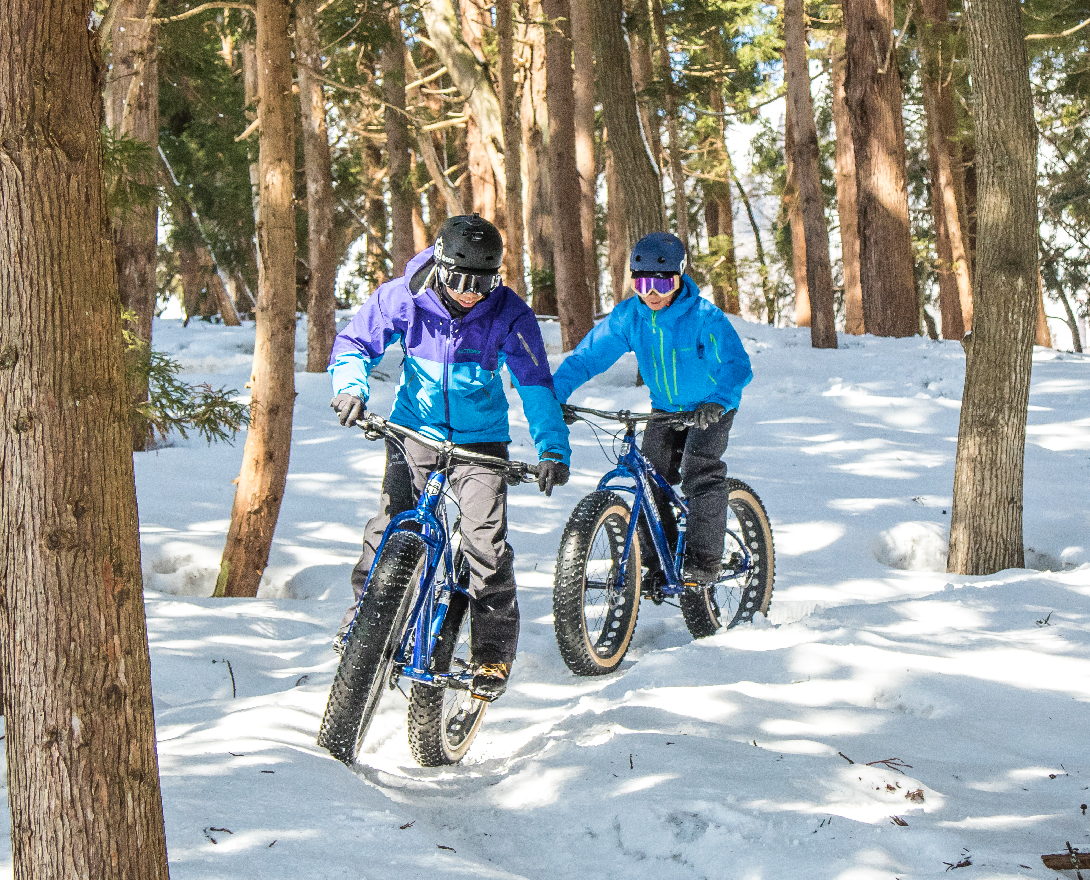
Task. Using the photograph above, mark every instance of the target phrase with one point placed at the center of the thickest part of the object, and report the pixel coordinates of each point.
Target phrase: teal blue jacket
(688, 353)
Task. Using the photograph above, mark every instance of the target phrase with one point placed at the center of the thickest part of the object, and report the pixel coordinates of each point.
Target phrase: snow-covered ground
(888, 720)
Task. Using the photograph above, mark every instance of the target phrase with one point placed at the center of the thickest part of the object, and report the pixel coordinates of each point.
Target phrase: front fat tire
(440, 730)
(590, 550)
(369, 649)
(732, 602)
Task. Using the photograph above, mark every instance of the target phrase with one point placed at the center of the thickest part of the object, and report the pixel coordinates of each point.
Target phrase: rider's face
(656, 293)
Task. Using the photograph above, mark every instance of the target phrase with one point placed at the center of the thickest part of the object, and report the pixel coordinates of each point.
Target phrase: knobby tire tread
(697, 609)
(570, 581)
(368, 652)
(426, 702)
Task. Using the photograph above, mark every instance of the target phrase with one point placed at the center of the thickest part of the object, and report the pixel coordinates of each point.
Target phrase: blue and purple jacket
(451, 387)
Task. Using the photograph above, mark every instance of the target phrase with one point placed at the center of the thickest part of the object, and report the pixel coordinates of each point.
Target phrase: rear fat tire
(590, 550)
(735, 601)
(437, 735)
(369, 649)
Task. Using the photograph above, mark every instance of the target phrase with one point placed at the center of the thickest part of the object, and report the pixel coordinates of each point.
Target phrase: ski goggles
(663, 285)
(468, 282)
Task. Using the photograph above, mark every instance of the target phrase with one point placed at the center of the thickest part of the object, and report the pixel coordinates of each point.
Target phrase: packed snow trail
(879, 687)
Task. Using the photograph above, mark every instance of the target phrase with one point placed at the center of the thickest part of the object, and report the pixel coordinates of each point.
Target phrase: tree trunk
(792, 207)
(585, 160)
(515, 272)
(986, 522)
(1072, 321)
(616, 229)
(819, 272)
(762, 263)
(488, 192)
(874, 101)
(82, 771)
(535, 134)
(719, 206)
(573, 291)
(132, 110)
(264, 471)
(1042, 335)
(846, 201)
(677, 172)
(471, 78)
(955, 284)
(637, 24)
(203, 290)
(639, 177)
(399, 168)
(321, 305)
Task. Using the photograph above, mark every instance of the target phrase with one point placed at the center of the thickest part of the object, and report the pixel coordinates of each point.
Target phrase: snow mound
(912, 546)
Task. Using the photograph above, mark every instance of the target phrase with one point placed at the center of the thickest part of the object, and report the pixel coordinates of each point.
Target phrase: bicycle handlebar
(625, 417)
(375, 427)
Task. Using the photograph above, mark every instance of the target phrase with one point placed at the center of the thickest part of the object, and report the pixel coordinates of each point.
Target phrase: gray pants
(693, 457)
(482, 498)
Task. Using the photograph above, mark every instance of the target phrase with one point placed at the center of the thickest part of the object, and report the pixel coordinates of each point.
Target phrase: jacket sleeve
(728, 360)
(361, 345)
(599, 350)
(524, 354)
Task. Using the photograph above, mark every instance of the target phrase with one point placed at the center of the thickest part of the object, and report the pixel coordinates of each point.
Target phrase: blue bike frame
(430, 607)
(631, 465)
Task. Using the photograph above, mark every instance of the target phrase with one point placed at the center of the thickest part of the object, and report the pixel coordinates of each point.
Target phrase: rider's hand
(707, 414)
(570, 415)
(349, 407)
(551, 472)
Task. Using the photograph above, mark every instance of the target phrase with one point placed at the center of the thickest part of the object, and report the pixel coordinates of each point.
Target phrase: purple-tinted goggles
(646, 284)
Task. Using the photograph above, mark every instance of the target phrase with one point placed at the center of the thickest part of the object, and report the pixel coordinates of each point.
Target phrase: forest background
(928, 178)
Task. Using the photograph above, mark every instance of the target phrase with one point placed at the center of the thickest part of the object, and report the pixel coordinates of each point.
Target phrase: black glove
(551, 472)
(707, 414)
(570, 415)
(349, 407)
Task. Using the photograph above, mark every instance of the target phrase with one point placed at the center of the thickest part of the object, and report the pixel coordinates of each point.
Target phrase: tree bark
(637, 172)
(535, 134)
(399, 168)
(846, 201)
(986, 521)
(264, 471)
(132, 110)
(82, 771)
(1042, 335)
(488, 192)
(792, 207)
(572, 290)
(677, 172)
(585, 159)
(616, 229)
(321, 304)
(874, 101)
(719, 206)
(955, 283)
(637, 25)
(514, 254)
(471, 78)
(203, 290)
(819, 272)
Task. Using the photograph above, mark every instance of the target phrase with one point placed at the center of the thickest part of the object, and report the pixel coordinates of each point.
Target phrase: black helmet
(471, 243)
(658, 252)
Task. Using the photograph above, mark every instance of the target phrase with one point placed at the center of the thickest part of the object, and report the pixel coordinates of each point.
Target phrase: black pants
(693, 457)
(482, 498)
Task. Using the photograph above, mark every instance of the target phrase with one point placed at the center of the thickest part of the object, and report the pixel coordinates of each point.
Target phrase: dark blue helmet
(658, 252)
